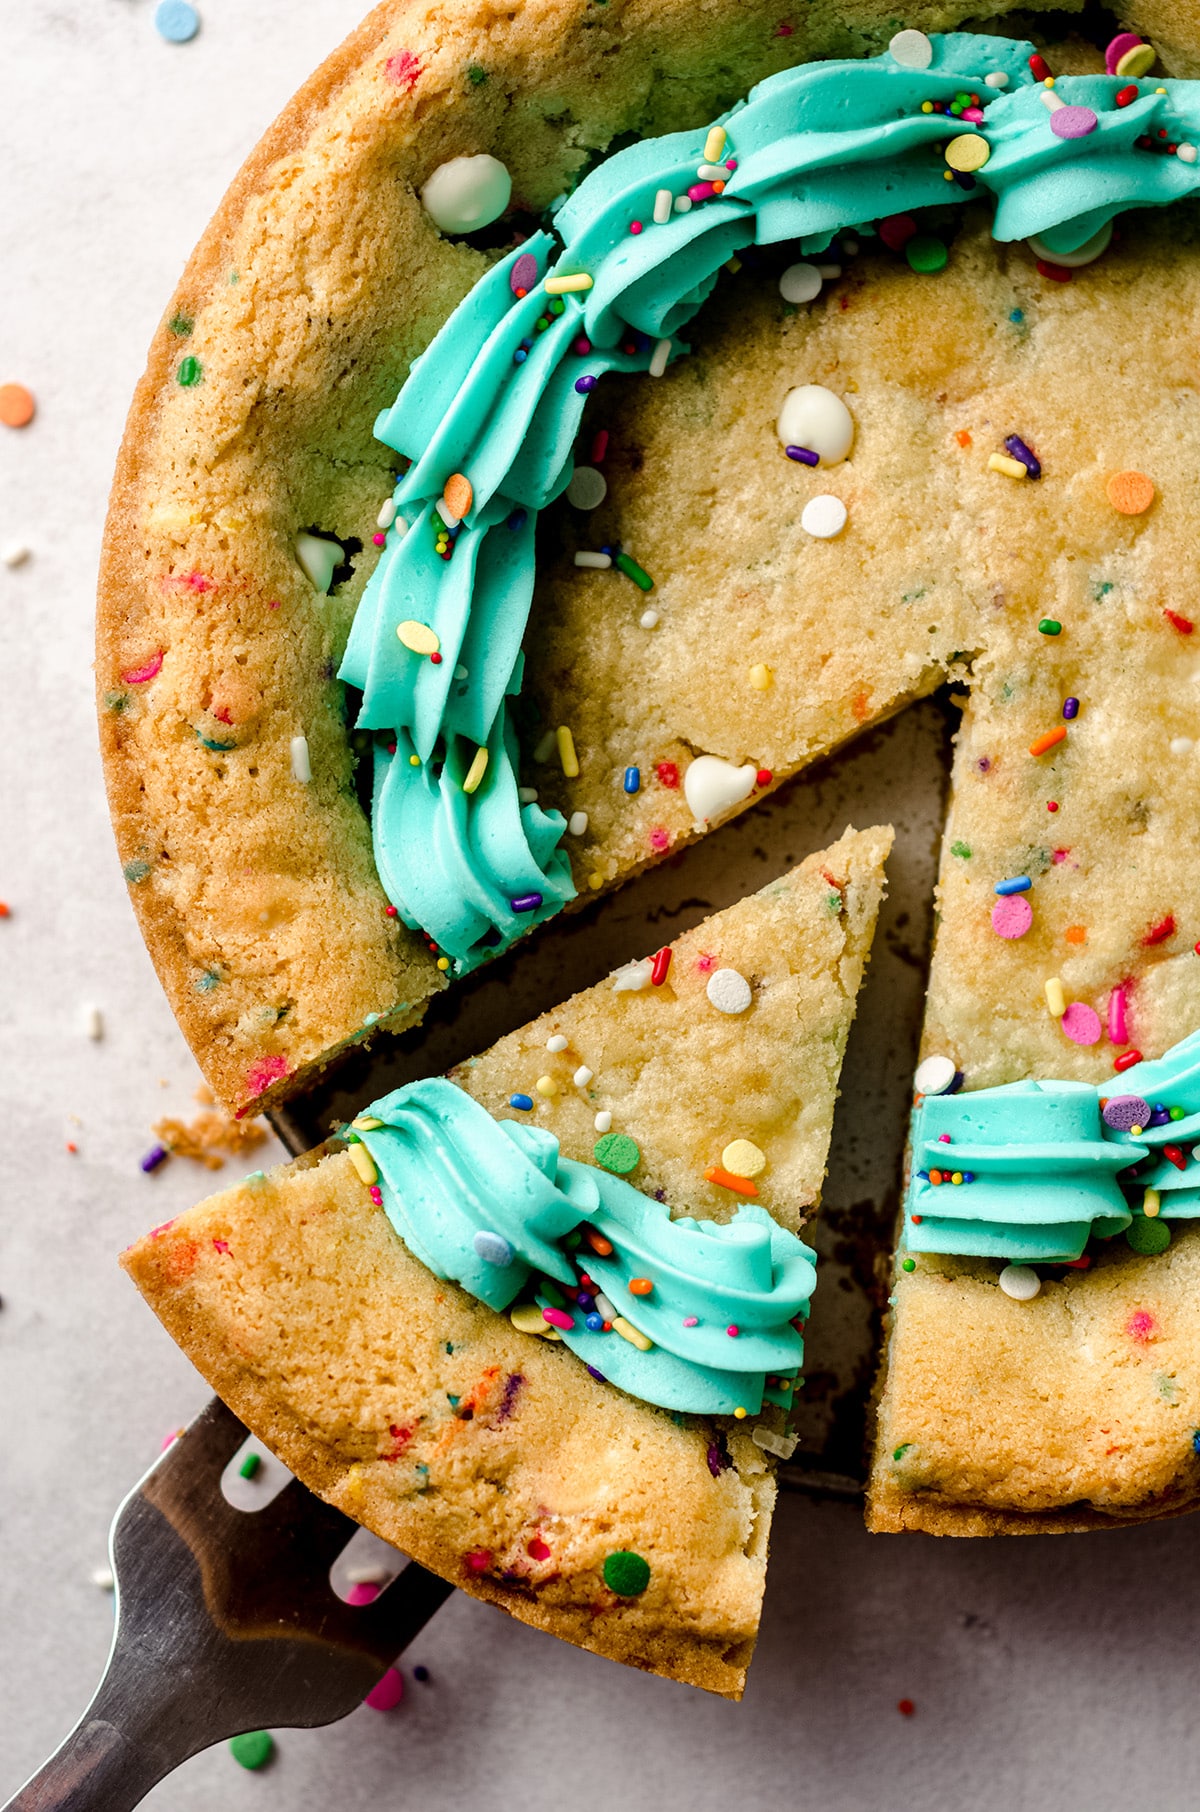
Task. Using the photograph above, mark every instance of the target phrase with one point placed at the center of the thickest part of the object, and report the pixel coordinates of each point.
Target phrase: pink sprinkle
(478, 1560)
(659, 838)
(943, 1138)
(403, 71)
(705, 963)
(379, 539)
(1117, 1030)
(731, 163)
(783, 31)
(1012, 916)
(691, 1321)
(582, 345)
(1140, 1325)
(700, 191)
(1125, 40)
(635, 227)
(1060, 855)
(733, 1331)
(164, 1227)
(1081, 1024)
(170, 1438)
(537, 1549)
(274, 604)
(222, 1245)
(558, 1318)
(387, 1693)
(137, 676)
(262, 1074)
(365, 1592)
(974, 114)
(193, 581)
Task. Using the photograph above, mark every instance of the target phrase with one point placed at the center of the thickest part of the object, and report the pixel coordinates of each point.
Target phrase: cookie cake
(936, 425)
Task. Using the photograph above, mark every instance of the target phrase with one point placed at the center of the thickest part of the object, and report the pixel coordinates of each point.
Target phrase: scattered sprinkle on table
(1131, 493)
(16, 406)
(253, 1749)
(176, 20)
(387, 1692)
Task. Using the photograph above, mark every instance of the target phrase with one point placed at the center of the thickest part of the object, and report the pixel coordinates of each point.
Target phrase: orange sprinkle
(1048, 740)
(860, 704)
(963, 437)
(726, 1179)
(1131, 493)
(640, 1286)
(1076, 934)
(5, 909)
(16, 405)
(458, 495)
(600, 1246)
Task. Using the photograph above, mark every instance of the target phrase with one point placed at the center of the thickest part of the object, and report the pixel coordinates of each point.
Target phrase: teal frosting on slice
(1178, 1187)
(1043, 1178)
(814, 150)
(494, 1206)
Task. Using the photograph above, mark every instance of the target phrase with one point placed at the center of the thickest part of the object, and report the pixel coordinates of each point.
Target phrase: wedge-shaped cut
(486, 1453)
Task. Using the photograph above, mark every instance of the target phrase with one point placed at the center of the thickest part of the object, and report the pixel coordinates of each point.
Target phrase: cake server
(226, 1621)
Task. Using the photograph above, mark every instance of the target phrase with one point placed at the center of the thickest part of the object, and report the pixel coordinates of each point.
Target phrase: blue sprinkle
(1196, 1441)
(1018, 884)
(517, 520)
(157, 1155)
(922, 1176)
(1017, 315)
(968, 1176)
(526, 902)
(176, 20)
(594, 1323)
(491, 1248)
(524, 1102)
(420, 1673)
(633, 780)
(520, 357)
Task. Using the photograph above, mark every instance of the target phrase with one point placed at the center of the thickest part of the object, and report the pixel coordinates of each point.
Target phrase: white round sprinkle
(1087, 253)
(577, 823)
(467, 193)
(711, 786)
(934, 1076)
(603, 1121)
(14, 553)
(1186, 153)
(91, 1022)
(911, 49)
(103, 1577)
(683, 204)
(319, 557)
(997, 79)
(582, 1076)
(557, 1043)
(800, 283)
(301, 765)
(597, 562)
(649, 619)
(1182, 745)
(588, 488)
(823, 517)
(1020, 1282)
(815, 418)
(728, 991)
(527, 795)
(387, 514)
(827, 272)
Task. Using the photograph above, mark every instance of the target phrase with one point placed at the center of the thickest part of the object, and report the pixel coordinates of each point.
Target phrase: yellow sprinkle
(1135, 1132)
(367, 1123)
(566, 752)
(443, 963)
(1012, 468)
(595, 879)
(1048, 81)
(1138, 62)
(926, 106)
(546, 1085)
(733, 265)
(956, 1176)
(1151, 1203)
(968, 152)
(354, 1483)
(364, 1163)
(414, 761)
(1056, 1000)
(527, 1319)
(419, 637)
(714, 144)
(740, 1413)
(628, 1332)
(742, 1158)
(761, 676)
(563, 286)
(477, 769)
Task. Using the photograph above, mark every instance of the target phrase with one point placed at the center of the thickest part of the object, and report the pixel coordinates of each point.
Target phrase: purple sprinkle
(1070, 707)
(512, 1385)
(158, 1154)
(526, 902)
(804, 454)
(598, 1376)
(1028, 458)
(1160, 1117)
(1122, 1112)
(585, 384)
(716, 1460)
(1073, 122)
(524, 273)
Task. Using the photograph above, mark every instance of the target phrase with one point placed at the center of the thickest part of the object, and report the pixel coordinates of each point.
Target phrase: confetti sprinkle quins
(466, 193)
(728, 991)
(742, 1158)
(1130, 493)
(176, 20)
(1021, 1282)
(253, 1749)
(1012, 916)
(934, 1076)
(823, 517)
(1081, 1024)
(387, 1693)
(626, 1573)
(617, 1152)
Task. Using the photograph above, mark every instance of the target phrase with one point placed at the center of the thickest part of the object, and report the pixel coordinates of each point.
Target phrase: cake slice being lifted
(707, 1076)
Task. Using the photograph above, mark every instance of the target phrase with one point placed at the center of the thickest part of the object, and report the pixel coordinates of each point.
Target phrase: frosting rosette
(1021, 1173)
(687, 1314)
(1167, 1084)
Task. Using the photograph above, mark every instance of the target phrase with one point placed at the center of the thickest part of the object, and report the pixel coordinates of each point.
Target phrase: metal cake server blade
(226, 1621)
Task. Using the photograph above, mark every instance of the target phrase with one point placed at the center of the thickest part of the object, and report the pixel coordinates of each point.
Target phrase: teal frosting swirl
(1170, 1081)
(1177, 1186)
(816, 149)
(457, 1184)
(1038, 1175)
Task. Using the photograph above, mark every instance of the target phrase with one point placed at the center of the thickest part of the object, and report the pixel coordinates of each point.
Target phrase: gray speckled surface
(1047, 1673)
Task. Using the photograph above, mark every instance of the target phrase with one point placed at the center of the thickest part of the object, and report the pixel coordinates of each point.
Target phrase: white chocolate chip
(814, 417)
(467, 193)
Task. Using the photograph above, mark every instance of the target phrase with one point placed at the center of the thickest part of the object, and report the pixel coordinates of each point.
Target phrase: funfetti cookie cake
(479, 1329)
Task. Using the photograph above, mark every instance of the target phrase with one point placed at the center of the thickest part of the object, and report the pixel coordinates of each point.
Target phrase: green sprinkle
(618, 1152)
(1167, 1388)
(180, 325)
(909, 1264)
(553, 1294)
(233, 276)
(1048, 626)
(555, 305)
(475, 75)
(898, 1453)
(961, 849)
(1148, 1237)
(116, 701)
(1101, 589)
(135, 871)
(207, 982)
(926, 254)
(249, 1466)
(452, 1400)
(254, 1749)
(190, 371)
(834, 903)
(626, 1573)
(633, 571)
(1176, 1113)
(218, 748)
(449, 1346)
